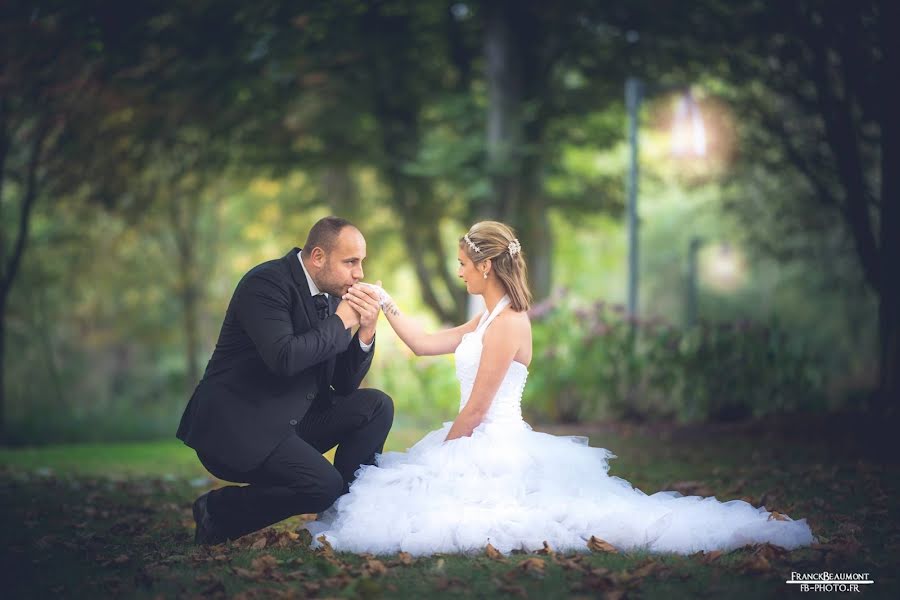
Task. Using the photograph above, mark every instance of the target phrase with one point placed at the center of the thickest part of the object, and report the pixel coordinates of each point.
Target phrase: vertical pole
(691, 304)
(633, 93)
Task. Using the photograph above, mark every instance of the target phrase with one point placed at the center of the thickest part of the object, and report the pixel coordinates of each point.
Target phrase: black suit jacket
(273, 360)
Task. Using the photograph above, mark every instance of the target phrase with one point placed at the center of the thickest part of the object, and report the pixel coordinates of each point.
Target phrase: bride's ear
(486, 266)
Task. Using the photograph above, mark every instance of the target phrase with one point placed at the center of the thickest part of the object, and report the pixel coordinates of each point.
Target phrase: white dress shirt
(315, 291)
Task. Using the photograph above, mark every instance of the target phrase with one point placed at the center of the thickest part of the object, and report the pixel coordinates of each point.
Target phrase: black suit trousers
(295, 478)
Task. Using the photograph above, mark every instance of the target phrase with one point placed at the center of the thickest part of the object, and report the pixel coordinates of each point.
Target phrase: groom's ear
(317, 256)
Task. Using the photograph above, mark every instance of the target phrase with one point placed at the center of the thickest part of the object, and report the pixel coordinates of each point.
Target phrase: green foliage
(213, 137)
(590, 366)
(423, 388)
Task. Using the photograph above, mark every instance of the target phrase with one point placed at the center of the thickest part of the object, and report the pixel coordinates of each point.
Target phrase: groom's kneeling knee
(384, 405)
(329, 486)
(380, 405)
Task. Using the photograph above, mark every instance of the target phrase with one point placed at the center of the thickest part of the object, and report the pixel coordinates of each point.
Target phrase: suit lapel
(326, 369)
(332, 306)
(299, 278)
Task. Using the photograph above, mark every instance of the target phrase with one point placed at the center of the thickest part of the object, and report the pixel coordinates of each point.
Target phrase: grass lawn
(114, 521)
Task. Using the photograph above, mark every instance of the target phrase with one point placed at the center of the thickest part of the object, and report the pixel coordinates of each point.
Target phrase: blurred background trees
(152, 153)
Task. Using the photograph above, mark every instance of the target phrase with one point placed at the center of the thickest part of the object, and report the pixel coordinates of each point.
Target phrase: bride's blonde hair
(494, 240)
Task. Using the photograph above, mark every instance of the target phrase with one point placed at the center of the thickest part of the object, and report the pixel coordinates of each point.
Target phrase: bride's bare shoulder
(513, 321)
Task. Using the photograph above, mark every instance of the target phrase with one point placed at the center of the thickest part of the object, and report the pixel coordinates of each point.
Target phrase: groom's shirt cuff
(366, 347)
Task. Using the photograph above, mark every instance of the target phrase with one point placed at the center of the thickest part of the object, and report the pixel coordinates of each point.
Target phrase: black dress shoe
(207, 533)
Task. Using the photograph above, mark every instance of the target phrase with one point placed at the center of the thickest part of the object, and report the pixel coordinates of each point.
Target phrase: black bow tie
(322, 308)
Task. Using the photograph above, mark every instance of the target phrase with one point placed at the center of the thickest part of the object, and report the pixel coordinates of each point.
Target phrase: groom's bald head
(324, 234)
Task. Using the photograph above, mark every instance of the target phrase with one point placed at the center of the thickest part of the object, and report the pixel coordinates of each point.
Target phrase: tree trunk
(191, 334)
(397, 108)
(4, 150)
(3, 433)
(889, 296)
(889, 355)
(184, 225)
(10, 267)
(874, 233)
(514, 163)
(340, 192)
(421, 238)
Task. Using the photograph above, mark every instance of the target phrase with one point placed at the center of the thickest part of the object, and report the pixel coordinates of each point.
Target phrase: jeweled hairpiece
(514, 247)
(471, 244)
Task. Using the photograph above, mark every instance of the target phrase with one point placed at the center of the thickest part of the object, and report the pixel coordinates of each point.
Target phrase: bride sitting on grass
(488, 478)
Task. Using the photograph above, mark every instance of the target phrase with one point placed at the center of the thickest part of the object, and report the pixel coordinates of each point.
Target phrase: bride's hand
(384, 299)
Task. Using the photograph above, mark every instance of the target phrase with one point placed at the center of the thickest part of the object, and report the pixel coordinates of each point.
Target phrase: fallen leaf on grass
(777, 516)
(690, 488)
(492, 553)
(446, 583)
(647, 569)
(849, 528)
(311, 588)
(769, 551)
(325, 548)
(259, 544)
(122, 559)
(405, 558)
(595, 544)
(844, 547)
(46, 542)
(265, 564)
(374, 567)
(533, 566)
(246, 573)
(339, 581)
(596, 580)
(546, 549)
(511, 589)
(755, 564)
(569, 564)
(304, 537)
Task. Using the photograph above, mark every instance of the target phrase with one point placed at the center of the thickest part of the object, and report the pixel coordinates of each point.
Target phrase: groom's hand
(367, 303)
(347, 314)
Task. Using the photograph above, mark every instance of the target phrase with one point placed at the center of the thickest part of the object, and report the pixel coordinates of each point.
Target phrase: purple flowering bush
(588, 364)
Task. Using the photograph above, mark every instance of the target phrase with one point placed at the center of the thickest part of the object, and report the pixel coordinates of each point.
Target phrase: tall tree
(819, 70)
(49, 97)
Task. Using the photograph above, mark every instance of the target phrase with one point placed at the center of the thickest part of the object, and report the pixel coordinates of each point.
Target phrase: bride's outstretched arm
(413, 334)
(498, 351)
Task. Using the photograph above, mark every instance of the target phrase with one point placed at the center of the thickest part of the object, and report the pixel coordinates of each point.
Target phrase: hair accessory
(514, 247)
(471, 244)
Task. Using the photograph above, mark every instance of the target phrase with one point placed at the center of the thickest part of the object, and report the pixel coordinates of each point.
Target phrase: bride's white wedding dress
(515, 488)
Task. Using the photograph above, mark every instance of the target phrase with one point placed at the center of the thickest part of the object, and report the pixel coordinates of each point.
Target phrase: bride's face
(470, 273)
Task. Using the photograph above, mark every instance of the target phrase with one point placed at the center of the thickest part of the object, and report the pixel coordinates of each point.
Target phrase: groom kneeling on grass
(282, 388)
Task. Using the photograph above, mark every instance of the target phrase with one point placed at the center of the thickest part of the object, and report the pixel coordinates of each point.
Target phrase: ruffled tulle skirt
(516, 488)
